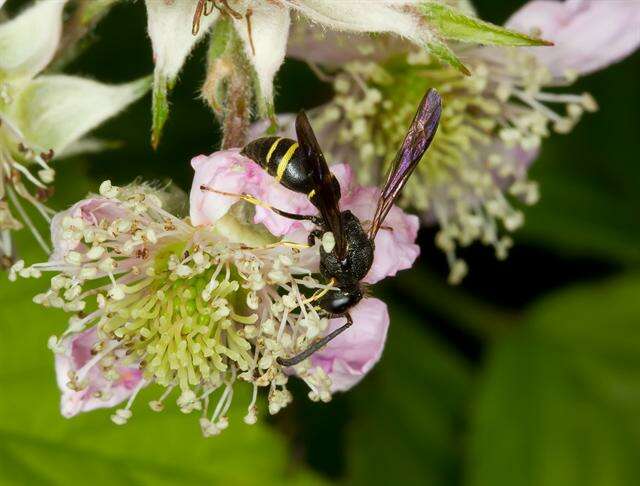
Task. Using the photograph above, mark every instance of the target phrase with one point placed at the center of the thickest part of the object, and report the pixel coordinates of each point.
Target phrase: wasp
(301, 167)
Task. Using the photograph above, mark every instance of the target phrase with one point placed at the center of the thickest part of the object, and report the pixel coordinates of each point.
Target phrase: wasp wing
(416, 142)
(325, 198)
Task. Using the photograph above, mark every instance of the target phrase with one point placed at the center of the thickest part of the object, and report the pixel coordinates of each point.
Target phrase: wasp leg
(253, 200)
(317, 345)
(322, 293)
(384, 227)
(289, 244)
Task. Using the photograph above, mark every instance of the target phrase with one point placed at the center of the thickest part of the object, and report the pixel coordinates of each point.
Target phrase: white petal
(54, 111)
(170, 23)
(29, 41)
(588, 34)
(266, 42)
(398, 17)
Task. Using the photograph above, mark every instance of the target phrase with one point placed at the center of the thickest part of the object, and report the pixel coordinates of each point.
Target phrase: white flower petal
(588, 34)
(54, 111)
(393, 16)
(170, 23)
(265, 42)
(29, 41)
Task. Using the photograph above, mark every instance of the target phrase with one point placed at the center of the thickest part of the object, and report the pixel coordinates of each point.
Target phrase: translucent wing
(325, 198)
(416, 142)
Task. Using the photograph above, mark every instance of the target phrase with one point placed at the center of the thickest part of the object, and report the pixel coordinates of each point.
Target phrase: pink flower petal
(76, 354)
(226, 171)
(589, 35)
(91, 210)
(350, 356)
(230, 172)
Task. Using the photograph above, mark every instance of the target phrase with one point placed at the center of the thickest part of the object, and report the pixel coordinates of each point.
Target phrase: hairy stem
(228, 86)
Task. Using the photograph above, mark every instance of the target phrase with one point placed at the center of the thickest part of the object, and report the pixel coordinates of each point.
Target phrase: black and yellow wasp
(301, 167)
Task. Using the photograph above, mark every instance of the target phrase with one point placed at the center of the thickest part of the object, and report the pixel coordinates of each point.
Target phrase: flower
(91, 373)
(42, 117)
(255, 32)
(228, 171)
(395, 249)
(202, 303)
(350, 356)
(492, 123)
(584, 42)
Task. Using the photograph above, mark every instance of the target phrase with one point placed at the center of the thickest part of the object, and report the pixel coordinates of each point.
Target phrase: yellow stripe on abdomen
(284, 161)
(272, 149)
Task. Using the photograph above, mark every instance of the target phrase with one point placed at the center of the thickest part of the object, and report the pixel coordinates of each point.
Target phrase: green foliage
(409, 415)
(455, 25)
(39, 445)
(446, 55)
(559, 400)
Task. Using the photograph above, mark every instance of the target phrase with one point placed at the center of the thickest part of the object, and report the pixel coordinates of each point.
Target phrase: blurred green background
(527, 374)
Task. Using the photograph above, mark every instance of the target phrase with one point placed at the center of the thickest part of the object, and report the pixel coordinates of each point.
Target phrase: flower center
(490, 122)
(183, 328)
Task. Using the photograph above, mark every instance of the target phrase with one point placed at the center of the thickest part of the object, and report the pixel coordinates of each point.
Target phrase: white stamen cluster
(467, 179)
(190, 308)
(20, 183)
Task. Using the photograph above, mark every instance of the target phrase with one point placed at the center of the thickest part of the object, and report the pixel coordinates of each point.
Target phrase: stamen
(190, 310)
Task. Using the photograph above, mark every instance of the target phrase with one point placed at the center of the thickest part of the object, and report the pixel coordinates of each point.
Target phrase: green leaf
(581, 218)
(444, 54)
(453, 24)
(220, 38)
(408, 413)
(37, 445)
(560, 398)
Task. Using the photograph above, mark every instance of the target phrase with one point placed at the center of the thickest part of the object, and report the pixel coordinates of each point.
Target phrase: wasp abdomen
(282, 158)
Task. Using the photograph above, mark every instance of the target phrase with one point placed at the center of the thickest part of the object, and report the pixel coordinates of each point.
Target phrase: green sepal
(159, 107)
(453, 24)
(443, 53)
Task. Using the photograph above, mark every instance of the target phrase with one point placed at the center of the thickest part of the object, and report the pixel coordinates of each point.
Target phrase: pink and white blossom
(474, 178)
(90, 374)
(351, 355)
(589, 35)
(231, 172)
